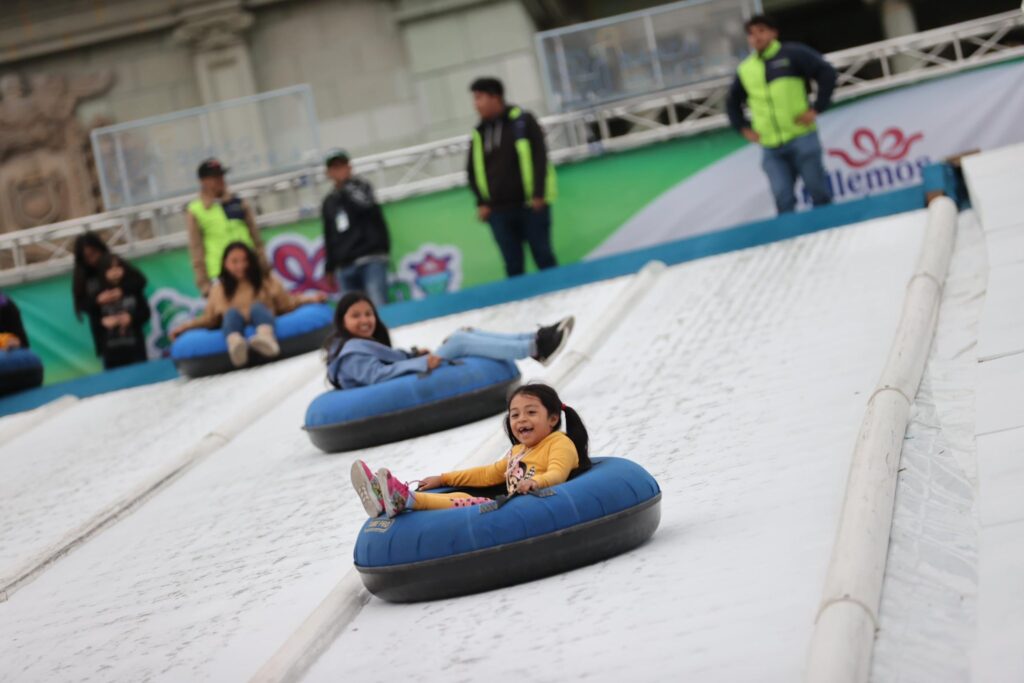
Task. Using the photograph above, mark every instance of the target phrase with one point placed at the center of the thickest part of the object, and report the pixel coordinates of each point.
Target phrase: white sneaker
(367, 488)
(265, 343)
(238, 350)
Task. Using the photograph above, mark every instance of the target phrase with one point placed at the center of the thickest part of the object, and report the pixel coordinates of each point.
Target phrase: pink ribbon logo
(891, 145)
(298, 267)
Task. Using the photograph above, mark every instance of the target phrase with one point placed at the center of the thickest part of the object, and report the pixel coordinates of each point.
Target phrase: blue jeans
(511, 227)
(234, 321)
(798, 157)
(488, 344)
(370, 277)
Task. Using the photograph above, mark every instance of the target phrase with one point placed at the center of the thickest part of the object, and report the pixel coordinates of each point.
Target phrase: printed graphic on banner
(299, 262)
(170, 309)
(432, 269)
(871, 163)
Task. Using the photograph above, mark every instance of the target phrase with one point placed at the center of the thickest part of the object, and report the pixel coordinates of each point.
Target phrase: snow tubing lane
(20, 369)
(197, 353)
(437, 554)
(410, 405)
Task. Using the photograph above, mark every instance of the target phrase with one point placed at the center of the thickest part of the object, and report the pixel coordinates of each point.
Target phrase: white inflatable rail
(343, 604)
(844, 632)
(209, 443)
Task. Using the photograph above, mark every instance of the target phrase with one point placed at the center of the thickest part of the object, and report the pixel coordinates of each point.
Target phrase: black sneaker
(551, 339)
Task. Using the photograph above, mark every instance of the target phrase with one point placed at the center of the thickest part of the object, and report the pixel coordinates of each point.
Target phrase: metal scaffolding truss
(431, 167)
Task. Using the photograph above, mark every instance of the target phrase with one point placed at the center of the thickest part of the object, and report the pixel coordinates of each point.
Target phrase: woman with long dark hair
(243, 295)
(89, 291)
(359, 353)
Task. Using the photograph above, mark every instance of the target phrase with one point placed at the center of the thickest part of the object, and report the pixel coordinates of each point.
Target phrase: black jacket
(133, 284)
(10, 320)
(363, 230)
(122, 347)
(504, 179)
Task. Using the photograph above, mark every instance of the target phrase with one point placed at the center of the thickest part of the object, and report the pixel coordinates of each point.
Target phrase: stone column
(216, 36)
(220, 55)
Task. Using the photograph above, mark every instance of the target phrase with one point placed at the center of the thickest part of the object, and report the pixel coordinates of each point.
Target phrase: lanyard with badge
(341, 221)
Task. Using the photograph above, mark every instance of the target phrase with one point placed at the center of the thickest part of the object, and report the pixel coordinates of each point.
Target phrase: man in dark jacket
(356, 242)
(511, 177)
(773, 83)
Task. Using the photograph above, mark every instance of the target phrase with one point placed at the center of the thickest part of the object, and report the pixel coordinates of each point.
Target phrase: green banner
(437, 246)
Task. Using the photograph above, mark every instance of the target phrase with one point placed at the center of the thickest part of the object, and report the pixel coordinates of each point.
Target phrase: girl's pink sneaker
(367, 488)
(395, 493)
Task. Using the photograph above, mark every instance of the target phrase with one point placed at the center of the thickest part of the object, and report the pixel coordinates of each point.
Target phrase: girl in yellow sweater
(540, 456)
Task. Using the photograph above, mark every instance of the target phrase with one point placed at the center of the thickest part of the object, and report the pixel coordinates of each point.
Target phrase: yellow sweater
(548, 463)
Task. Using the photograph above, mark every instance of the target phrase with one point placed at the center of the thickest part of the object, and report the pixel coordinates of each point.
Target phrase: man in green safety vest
(773, 83)
(216, 218)
(511, 176)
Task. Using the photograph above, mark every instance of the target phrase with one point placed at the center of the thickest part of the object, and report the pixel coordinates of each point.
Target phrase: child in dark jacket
(122, 316)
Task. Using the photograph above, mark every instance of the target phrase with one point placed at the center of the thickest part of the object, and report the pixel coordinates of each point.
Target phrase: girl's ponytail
(577, 433)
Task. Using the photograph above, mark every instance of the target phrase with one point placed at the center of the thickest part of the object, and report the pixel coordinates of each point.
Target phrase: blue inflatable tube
(435, 554)
(205, 352)
(20, 369)
(410, 405)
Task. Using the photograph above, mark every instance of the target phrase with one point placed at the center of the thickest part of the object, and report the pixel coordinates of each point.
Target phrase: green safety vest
(774, 105)
(524, 150)
(218, 232)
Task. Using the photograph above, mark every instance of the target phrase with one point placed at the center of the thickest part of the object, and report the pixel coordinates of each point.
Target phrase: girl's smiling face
(360, 320)
(237, 263)
(530, 420)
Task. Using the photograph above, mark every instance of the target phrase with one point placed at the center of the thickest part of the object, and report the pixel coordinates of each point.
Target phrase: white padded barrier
(844, 632)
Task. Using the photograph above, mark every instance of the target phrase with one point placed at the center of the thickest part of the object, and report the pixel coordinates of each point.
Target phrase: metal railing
(40, 252)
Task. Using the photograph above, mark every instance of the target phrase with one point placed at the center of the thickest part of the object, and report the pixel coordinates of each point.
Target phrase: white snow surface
(738, 381)
(994, 182)
(70, 468)
(229, 559)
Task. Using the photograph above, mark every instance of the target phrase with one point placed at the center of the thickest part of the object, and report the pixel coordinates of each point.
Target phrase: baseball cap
(211, 168)
(336, 156)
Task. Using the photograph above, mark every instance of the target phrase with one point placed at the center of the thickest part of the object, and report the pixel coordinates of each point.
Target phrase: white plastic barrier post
(844, 632)
(294, 658)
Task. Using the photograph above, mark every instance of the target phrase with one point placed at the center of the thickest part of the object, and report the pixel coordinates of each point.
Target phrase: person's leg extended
(233, 327)
(374, 275)
(538, 234)
(811, 167)
(507, 229)
(264, 342)
(445, 501)
(488, 345)
(260, 315)
(232, 322)
(781, 177)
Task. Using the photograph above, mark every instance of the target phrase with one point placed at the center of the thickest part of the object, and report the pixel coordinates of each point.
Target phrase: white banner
(871, 146)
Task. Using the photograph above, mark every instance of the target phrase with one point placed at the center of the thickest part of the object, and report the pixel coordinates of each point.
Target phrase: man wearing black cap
(511, 177)
(356, 242)
(216, 219)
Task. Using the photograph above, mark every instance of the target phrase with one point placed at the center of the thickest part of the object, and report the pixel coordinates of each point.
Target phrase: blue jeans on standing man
(234, 321)
(369, 275)
(512, 227)
(494, 345)
(798, 157)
